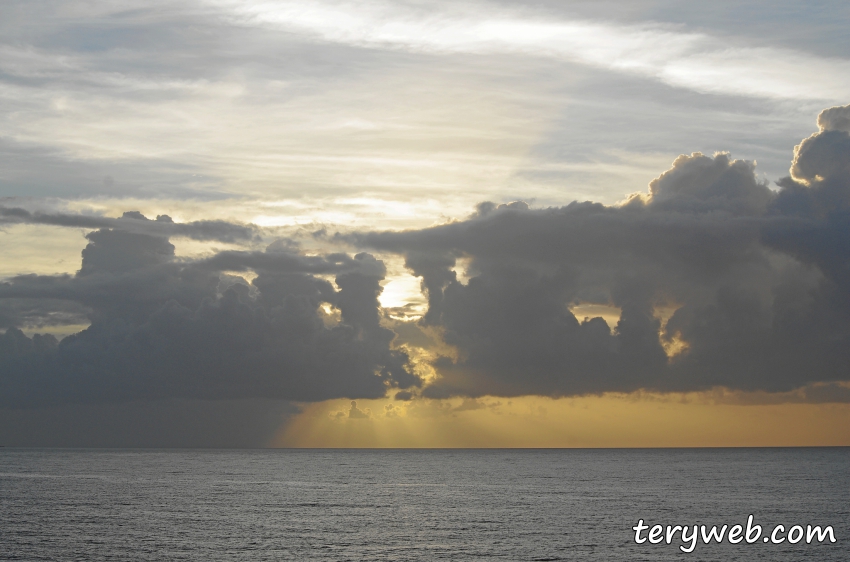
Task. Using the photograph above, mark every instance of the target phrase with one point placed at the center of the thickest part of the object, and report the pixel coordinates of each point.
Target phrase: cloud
(721, 282)
(689, 60)
(191, 100)
(356, 413)
(835, 119)
(163, 328)
(30, 169)
(135, 222)
(40, 313)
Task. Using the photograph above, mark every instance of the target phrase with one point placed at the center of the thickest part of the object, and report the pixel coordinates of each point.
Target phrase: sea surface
(63, 504)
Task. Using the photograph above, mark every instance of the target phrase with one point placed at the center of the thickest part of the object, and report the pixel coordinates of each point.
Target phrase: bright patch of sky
(397, 114)
(684, 59)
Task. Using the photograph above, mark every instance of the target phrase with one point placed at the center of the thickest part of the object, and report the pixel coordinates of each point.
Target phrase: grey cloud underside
(135, 222)
(167, 329)
(759, 280)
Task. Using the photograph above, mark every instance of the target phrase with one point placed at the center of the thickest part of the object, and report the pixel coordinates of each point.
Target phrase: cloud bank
(719, 282)
(166, 328)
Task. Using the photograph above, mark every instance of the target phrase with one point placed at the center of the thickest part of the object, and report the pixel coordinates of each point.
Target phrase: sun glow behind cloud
(610, 420)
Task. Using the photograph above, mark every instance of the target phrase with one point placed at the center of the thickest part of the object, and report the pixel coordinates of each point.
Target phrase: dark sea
(61, 504)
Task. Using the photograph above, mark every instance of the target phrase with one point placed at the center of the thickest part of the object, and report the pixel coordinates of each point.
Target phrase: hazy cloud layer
(399, 101)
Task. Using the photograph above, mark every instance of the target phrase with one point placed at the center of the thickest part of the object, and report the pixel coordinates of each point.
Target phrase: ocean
(405, 505)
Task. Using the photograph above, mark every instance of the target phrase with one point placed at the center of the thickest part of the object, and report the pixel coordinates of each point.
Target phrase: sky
(424, 223)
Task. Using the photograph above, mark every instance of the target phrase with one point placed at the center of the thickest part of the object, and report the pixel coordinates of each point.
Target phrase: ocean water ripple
(411, 505)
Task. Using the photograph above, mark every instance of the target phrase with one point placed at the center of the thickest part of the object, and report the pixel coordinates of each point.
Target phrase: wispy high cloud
(689, 60)
(300, 100)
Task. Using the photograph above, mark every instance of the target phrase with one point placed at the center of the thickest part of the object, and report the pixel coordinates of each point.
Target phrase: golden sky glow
(639, 420)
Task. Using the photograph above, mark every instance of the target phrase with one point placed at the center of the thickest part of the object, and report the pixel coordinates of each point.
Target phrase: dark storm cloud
(167, 329)
(721, 282)
(41, 313)
(759, 282)
(133, 221)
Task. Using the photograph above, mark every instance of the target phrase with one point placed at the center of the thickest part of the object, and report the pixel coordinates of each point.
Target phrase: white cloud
(689, 60)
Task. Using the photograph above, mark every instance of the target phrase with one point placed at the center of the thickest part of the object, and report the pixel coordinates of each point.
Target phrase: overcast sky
(227, 220)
